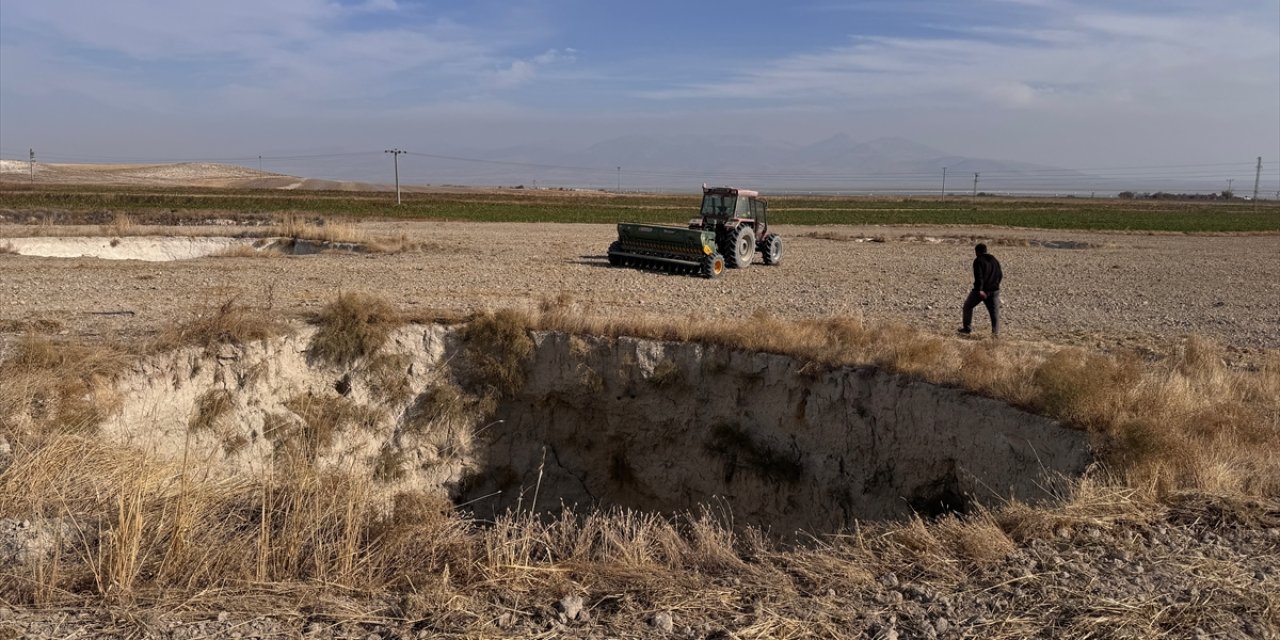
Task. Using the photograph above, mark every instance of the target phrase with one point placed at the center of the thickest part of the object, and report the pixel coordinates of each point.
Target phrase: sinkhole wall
(672, 426)
(601, 422)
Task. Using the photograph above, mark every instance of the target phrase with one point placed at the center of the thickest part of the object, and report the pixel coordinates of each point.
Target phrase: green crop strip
(577, 207)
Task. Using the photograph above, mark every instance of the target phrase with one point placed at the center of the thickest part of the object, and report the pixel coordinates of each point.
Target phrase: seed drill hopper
(732, 228)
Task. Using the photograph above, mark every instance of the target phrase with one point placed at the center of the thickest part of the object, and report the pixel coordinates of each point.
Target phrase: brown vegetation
(230, 323)
(141, 531)
(353, 326)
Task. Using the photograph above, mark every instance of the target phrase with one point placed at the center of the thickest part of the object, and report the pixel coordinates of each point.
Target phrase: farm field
(1152, 327)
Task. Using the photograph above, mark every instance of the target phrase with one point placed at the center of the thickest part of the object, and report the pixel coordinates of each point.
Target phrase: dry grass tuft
(388, 377)
(30, 325)
(211, 406)
(323, 420)
(353, 326)
(321, 230)
(230, 323)
(496, 347)
(56, 385)
(121, 225)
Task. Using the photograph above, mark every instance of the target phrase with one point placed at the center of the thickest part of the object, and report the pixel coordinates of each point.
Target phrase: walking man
(986, 289)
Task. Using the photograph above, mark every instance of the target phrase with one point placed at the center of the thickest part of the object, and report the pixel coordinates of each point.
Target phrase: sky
(1081, 84)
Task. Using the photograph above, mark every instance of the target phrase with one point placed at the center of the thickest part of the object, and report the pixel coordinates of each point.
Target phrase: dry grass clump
(323, 420)
(120, 225)
(56, 385)
(30, 325)
(340, 235)
(353, 326)
(6, 248)
(496, 346)
(388, 377)
(230, 323)
(211, 407)
(322, 230)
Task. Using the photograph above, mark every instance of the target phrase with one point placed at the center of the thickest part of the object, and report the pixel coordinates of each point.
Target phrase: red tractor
(740, 220)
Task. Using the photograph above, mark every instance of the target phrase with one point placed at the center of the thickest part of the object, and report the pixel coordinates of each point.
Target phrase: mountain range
(683, 162)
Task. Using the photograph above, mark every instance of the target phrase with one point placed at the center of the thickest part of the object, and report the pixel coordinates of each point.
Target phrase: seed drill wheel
(772, 250)
(712, 266)
(742, 248)
(615, 260)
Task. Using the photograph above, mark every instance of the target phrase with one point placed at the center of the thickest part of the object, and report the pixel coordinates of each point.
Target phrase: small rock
(941, 625)
(662, 621)
(223, 616)
(570, 606)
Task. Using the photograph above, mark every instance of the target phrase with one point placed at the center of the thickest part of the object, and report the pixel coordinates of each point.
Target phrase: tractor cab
(740, 221)
(723, 204)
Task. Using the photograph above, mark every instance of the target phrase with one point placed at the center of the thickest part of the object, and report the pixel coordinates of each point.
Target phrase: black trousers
(992, 303)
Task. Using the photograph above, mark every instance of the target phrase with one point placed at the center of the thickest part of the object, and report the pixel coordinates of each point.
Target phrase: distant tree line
(1163, 195)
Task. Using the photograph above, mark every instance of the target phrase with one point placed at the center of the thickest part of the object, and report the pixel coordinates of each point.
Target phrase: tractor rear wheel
(712, 266)
(772, 249)
(742, 248)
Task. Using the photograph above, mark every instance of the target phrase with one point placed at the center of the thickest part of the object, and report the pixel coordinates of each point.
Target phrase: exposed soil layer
(604, 424)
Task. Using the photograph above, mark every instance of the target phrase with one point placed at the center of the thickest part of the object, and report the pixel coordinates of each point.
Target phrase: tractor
(731, 228)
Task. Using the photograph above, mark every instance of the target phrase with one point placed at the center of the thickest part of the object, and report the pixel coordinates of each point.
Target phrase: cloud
(1067, 55)
(523, 71)
(246, 54)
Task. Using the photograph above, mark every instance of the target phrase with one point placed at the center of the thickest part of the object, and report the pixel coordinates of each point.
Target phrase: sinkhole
(159, 248)
(604, 423)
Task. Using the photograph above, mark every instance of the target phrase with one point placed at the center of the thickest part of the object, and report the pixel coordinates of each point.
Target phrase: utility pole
(1257, 176)
(395, 154)
(31, 165)
(1228, 193)
(259, 162)
(619, 179)
(975, 184)
(944, 182)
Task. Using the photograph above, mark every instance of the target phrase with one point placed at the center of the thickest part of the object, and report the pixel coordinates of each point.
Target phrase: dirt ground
(1098, 290)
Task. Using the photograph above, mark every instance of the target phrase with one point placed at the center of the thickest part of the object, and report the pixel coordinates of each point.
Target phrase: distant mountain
(683, 162)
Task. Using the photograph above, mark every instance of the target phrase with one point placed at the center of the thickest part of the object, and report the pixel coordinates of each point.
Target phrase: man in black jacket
(986, 289)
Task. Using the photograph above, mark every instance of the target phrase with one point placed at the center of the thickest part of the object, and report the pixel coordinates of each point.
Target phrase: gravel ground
(1187, 574)
(1091, 289)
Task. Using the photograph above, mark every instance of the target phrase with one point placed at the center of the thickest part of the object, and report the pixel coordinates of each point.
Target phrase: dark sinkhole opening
(677, 427)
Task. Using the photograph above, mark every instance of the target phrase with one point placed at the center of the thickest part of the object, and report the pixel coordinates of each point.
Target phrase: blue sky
(1076, 83)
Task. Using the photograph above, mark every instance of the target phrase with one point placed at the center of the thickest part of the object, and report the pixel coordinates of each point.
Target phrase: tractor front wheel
(742, 248)
(712, 266)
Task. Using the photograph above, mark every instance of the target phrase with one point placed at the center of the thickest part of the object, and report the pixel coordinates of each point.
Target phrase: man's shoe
(965, 330)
